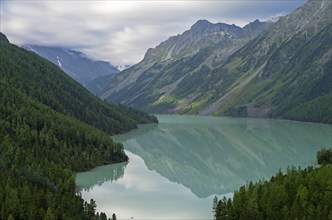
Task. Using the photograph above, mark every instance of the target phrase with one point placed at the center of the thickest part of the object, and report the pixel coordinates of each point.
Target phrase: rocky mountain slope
(284, 72)
(163, 67)
(76, 64)
(279, 70)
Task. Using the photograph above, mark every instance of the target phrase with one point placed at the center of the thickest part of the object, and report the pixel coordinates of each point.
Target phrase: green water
(177, 166)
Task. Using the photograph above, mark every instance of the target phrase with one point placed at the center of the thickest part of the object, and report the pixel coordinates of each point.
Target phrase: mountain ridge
(75, 63)
(279, 68)
(178, 50)
(62, 93)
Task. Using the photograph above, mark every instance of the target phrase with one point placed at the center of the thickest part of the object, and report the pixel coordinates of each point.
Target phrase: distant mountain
(278, 70)
(76, 64)
(98, 85)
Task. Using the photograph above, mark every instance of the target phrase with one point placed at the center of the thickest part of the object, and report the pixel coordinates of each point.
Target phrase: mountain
(278, 70)
(98, 85)
(165, 66)
(50, 128)
(50, 86)
(76, 64)
(282, 73)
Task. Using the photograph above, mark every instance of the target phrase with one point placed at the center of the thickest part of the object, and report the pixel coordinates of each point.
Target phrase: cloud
(122, 31)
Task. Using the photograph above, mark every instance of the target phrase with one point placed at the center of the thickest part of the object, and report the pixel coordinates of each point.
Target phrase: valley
(184, 161)
(227, 115)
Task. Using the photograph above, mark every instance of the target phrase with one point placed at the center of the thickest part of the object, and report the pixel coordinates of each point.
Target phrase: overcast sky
(122, 31)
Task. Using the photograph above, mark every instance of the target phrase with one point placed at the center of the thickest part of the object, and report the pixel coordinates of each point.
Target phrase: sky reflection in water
(177, 166)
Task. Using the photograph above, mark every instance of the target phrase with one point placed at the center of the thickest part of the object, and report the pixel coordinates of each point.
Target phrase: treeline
(316, 110)
(296, 194)
(50, 128)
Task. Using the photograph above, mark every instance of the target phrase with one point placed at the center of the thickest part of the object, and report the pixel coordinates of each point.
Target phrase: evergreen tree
(214, 206)
(49, 214)
(103, 216)
(50, 128)
(297, 194)
(324, 156)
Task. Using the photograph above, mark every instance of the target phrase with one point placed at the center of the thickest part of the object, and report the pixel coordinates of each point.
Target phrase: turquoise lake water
(176, 167)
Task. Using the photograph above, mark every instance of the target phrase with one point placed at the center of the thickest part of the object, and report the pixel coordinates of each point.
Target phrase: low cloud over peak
(122, 31)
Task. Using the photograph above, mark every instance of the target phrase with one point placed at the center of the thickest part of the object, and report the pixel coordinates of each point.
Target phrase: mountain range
(280, 70)
(75, 63)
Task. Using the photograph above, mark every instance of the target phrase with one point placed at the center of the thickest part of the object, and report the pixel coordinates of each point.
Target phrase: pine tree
(214, 206)
(49, 214)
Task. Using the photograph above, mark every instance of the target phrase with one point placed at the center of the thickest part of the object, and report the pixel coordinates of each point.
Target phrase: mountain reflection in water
(96, 177)
(217, 155)
(177, 166)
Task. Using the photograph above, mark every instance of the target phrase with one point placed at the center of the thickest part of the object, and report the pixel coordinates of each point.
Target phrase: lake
(176, 167)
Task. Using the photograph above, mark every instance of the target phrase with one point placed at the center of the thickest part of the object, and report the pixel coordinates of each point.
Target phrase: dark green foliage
(46, 83)
(48, 131)
(324, 156)
(39, 151)
(315, 110)
(297, 194)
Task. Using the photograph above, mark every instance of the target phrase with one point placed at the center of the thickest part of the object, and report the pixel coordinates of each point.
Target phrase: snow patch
(57, 57)
(122, 67)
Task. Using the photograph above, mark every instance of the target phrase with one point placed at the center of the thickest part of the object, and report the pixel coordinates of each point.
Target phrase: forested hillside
(296, 194)
(50, 128)
(46, 83)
